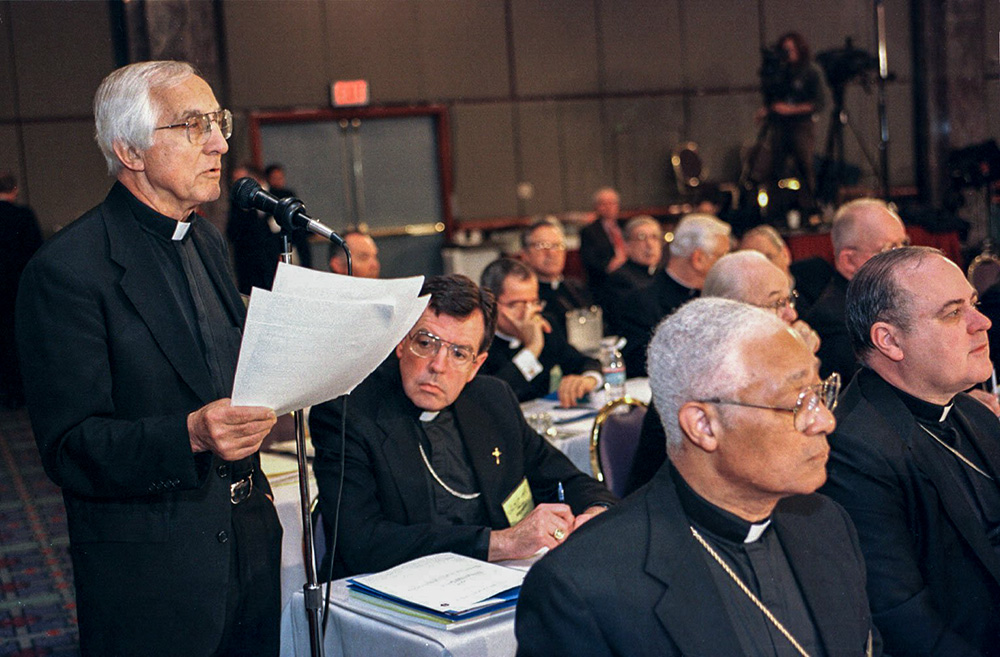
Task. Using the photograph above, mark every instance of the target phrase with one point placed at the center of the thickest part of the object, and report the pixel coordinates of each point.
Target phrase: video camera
(842, 65)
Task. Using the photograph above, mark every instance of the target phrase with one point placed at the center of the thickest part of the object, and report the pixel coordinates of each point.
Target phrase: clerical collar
(553, 284)
(429, 416)
(514, 342)
(690, 290)
(924, 411)
(714, 519)
(158, 224)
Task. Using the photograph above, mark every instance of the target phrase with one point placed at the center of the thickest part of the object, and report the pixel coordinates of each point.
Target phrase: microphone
(289, 212)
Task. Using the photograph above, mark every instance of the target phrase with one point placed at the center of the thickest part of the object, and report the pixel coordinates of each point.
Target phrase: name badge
(519, 503)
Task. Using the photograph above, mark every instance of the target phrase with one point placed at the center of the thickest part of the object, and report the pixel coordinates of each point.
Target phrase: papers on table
(443, 588)
(316, 335)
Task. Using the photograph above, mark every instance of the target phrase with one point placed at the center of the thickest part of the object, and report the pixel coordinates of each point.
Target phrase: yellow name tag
(519, 503)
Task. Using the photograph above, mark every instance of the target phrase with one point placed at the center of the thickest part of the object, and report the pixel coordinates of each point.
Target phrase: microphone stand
(311, 589)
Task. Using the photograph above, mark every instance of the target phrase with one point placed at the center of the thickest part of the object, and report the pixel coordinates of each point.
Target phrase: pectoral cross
(496, 454)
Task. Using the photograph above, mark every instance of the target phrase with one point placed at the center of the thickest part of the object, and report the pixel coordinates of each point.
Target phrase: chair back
(984, 272)
(613, 442)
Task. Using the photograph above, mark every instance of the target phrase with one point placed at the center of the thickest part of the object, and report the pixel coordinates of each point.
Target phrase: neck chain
(749, 593)
(451, 491)
(954, 451)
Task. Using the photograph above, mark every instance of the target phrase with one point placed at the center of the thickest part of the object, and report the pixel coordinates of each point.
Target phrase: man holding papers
(728, 550)
(439, 460)
(128, 325)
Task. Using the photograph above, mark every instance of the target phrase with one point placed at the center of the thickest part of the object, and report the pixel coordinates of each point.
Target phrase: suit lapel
(221, 277)
(930, 460)
(481, 442)
(147, 289)
(691, 609)
(400, 445)
(807, 552)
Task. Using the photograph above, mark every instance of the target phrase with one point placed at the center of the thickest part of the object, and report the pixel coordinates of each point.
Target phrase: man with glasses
(915, 461)
(543, 248)
(746, 276)
(528, 349)
(437, 459)
(699, 241)
(727, 551)
(129, 329)
(861, 229)
(644, 246)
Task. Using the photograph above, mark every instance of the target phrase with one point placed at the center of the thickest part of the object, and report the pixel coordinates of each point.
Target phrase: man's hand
(536, 530)
(810, 336)
(619, 259)
(990, 401)
(574, 386)
(587, 515)
(530, 330)
(231, 432)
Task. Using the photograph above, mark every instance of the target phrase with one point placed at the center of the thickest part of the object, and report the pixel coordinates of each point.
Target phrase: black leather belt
(240, 490)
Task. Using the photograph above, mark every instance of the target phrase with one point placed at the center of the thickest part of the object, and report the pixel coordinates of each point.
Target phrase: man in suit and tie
(437, 459)
(543, 248)
(915, 460)
(129, 329)
(728, 550)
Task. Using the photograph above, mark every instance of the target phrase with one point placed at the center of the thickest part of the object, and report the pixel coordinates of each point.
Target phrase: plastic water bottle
(613, 367)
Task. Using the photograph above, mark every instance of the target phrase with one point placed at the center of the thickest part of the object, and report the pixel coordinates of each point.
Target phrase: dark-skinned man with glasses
(528, 349)
(438, 459)
(129, 330)
(728, 550)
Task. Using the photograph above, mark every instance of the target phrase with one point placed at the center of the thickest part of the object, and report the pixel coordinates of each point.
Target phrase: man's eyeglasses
(807, 407)
(892, 246)
(645, 237)
(782, 303)
(521, 305)
(199, 128)
(426, 345)
(546, 246)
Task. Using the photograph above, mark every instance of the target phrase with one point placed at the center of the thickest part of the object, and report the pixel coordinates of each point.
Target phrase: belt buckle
(240, 490)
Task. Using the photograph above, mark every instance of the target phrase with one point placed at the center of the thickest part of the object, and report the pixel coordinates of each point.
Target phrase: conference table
(354, 628)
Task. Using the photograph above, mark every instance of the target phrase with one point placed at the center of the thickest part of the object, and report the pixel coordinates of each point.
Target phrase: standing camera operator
(793, 94)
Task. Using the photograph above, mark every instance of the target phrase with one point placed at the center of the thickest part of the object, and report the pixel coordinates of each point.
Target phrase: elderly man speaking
(727, 551)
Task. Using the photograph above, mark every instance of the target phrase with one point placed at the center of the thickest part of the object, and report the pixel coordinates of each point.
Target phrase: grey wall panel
(541, 147)
(485, 173)
(643, 133)
(66, 171)
(993, 105)
(463, 49)
(642, 46)
(555, 47)
(586, 159)
(275, 53)
(720, 43)
(723, 127)
(8, 107)
(862, 134)
(378, 40)
(992, 27)
(62, 51)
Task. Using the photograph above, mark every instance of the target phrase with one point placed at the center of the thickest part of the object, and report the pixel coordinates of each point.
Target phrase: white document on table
(444, 582)
(317, 335)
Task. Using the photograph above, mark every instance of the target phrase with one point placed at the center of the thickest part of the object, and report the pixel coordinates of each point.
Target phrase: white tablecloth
(354, 630)
(283, 475)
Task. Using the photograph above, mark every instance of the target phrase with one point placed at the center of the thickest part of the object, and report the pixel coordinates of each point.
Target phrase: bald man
(364, 256)
(861, 229)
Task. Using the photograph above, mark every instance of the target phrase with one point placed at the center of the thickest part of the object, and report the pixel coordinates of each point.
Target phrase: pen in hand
(560, 493)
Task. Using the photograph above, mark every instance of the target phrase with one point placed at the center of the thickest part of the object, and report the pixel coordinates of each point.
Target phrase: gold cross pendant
(496, 454)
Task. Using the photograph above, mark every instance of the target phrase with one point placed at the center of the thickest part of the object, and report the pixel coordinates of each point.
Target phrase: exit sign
(349, 93)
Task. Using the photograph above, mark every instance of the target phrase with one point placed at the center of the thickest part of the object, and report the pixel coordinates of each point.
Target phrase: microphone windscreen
(242, 192)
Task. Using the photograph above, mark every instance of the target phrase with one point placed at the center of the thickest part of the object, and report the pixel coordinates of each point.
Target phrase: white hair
(697, 231)
(697, 353)
(124, 110)
(847, 226)
(727, 276)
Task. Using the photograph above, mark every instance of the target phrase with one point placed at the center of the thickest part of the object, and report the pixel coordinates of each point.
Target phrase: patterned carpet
(37, 609)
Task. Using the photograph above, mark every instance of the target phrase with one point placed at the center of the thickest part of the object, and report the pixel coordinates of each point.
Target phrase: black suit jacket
(385, 512)
(111, 372)
(557, 351)
(596, 251)
(633, 581)
(568, 295)
(828, 317)
(933, 577)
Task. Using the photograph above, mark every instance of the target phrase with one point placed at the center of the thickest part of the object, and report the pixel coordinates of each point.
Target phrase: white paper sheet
(316, 335)
(445, 581)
